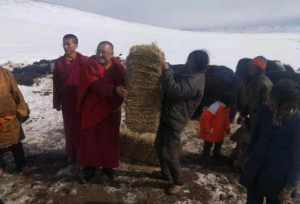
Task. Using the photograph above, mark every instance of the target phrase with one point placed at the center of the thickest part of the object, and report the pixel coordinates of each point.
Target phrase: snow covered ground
(134, 184)
(44, 129)
(32, 30)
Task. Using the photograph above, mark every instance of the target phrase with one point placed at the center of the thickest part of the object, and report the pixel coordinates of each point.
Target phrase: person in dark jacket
(182, 94)
(272, 171)
(256, 91)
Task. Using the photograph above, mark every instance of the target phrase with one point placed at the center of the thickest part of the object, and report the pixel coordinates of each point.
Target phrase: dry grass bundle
(135, 149)
(144, 100)
(143, 84)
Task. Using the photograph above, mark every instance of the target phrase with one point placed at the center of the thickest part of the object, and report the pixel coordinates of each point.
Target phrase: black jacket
(182, 94)
(274, 161)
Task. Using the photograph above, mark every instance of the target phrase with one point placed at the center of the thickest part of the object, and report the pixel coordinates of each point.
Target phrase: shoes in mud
(204, 159)
(24, 171)
(219, 156)
(174, 190)
(68, 171)
(110, 173)
(160, 175)
(93, 175)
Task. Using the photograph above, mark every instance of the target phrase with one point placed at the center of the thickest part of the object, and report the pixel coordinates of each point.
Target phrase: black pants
(253, 197)
(2, 164)
(208, 146)
(168, 149)
(18, 154)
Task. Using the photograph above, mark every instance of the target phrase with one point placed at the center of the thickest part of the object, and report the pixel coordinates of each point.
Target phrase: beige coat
(13, 110)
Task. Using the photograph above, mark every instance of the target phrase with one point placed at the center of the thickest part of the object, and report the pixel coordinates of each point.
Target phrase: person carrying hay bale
(182, 94)
(143, 102)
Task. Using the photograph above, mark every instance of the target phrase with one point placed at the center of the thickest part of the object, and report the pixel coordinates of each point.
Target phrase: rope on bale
(144, 99)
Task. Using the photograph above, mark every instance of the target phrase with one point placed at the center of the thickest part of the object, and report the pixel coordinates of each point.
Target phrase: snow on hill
(33, 30)
(290, 25)
(213, 15)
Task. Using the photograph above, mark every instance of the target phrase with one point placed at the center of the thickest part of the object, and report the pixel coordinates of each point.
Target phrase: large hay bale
(143, 102)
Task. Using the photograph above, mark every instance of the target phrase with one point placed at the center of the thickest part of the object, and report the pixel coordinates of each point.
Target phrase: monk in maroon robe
(101, 96)
(66, 77)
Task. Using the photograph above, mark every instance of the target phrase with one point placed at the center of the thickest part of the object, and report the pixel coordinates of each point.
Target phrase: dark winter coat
(255, 93)
(242, 68)
(219, 80)
(274, 160)
(182, 94)
(273, 66)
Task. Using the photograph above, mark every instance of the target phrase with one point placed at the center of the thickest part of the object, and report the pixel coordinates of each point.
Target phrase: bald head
(105, 52)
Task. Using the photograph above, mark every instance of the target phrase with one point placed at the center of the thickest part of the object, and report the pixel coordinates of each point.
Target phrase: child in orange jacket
(215, 125)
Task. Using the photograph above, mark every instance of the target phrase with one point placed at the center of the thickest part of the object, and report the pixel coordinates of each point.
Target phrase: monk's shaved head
(72, 37)
(106, 43)
(70, 44)
(105, 52)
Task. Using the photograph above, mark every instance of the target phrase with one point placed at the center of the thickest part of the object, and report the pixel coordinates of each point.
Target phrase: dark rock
(27, 75)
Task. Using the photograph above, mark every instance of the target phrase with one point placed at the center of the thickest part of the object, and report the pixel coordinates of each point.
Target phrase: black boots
(206, 153)
(110, 173)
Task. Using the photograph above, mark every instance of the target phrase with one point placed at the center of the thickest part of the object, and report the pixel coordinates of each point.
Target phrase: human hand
(122, 92)
(165, 67)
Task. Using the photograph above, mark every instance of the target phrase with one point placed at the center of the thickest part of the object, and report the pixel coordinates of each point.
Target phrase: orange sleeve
(206, 123)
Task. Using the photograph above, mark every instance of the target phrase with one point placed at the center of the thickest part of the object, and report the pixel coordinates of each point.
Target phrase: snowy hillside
(212, 15)
(273, 26)
(33, 30)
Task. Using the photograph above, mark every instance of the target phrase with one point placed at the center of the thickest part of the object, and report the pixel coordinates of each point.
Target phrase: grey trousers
(168, 148)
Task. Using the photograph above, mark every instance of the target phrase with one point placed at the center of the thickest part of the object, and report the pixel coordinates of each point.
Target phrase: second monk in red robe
(101, 95)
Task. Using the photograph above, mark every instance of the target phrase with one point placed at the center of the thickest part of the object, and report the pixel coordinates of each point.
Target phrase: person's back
(279, 157)
(215, 122)
(273, 167)
(179, 106)
(258, 90)
(182, 94)
(215, 125)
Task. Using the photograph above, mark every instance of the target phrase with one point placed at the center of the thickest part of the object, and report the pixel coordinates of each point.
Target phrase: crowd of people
(90, 91)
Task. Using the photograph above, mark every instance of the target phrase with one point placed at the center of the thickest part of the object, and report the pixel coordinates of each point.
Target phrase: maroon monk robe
(66, 77)
(100, 108)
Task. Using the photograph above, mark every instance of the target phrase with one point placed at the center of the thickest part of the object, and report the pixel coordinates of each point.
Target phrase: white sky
(193, 14)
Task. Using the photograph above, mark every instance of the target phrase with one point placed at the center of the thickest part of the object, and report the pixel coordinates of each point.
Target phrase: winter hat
(198, 60)
(260, 62)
